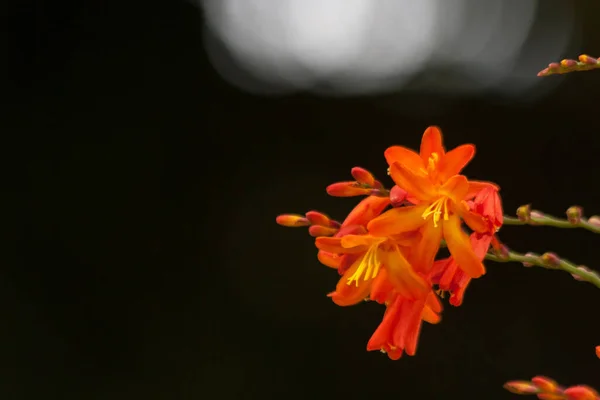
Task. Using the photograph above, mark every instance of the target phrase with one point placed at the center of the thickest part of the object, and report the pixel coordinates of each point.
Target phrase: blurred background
(150, 144)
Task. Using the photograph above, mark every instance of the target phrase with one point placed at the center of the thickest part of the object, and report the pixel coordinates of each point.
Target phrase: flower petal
(382, 289)
(456, 188)
(476, 186)
(334, 245)
(351, 241)
(455, 160)
(475, 221)
(329, 259)
(404, 156)
(460, 248)
(431, 143)
(430, 316)
(366, 210)
(416, 185)
(397, 220)
(405, 280)
(348, 295)
(423, 254)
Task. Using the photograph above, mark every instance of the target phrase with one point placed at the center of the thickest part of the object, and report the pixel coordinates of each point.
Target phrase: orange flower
(447, 273)
(440, 196)
(401, 325)
(355, 223)
(363, 258)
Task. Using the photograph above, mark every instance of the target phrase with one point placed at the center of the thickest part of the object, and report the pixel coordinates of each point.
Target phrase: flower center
(436, 209)
(368, 265)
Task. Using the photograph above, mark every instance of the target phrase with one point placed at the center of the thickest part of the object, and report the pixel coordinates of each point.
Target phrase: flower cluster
(547, 389)
(385, 250)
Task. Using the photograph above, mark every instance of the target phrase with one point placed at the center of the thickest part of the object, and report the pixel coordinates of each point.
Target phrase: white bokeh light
(361, 46)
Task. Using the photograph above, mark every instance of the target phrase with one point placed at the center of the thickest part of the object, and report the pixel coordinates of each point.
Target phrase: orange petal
(397, 220)
(351, 241)
(334, 245)
(366, 210)
(404, 156)
(475, 221)
(431, 143)
(460, 247)
(456, 188)
(382, 289)
(424, 253)
(455, 160)
(329, 259)
(433, 302)
(430, 316)
(408, 330)
(476, 186)
(382, 337)
(418, 186)
(406, 282)
(348, 295)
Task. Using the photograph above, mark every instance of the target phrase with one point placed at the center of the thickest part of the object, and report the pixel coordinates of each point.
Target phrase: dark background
(139, 252)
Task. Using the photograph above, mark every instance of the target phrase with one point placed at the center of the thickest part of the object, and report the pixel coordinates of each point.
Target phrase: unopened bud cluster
(319, 224)
(364, 184)
(546, 388)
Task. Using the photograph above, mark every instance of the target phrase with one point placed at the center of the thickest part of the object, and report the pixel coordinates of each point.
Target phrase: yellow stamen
(437, 208)
(369, 265)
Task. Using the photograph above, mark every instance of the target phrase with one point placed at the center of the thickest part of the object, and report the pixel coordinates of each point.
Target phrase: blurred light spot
(361, 46)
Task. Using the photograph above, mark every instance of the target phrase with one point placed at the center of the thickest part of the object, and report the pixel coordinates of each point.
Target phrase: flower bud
(546, 384)
(568, 63)
(317, 218)
(574, 214)
(550, 260)
(581, 268)
(581, 392)
(598, 351)
(594, 220)
(363, 176)
(527, 264)
(584, 58)
(397, 196)
(524, 213)
(318, 230)
(292, 220)
(521, 387)
(536, 214)
(347, 189)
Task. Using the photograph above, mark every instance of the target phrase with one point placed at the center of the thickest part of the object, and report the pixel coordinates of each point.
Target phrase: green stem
(538, 219)
(535, 259)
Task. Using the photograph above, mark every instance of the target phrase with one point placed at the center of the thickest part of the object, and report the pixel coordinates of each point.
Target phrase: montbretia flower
(446, 273)
(355, 223)
(364, 257)
(401, 325)
(439, 194)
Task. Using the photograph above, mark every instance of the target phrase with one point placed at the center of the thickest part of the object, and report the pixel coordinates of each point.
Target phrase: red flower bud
(347, 189)
(397, 196)
(363, 176)
(318, 230)
(292, 220)
(581, 392)
(521, 387)
(317, 218)
(546, 384)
